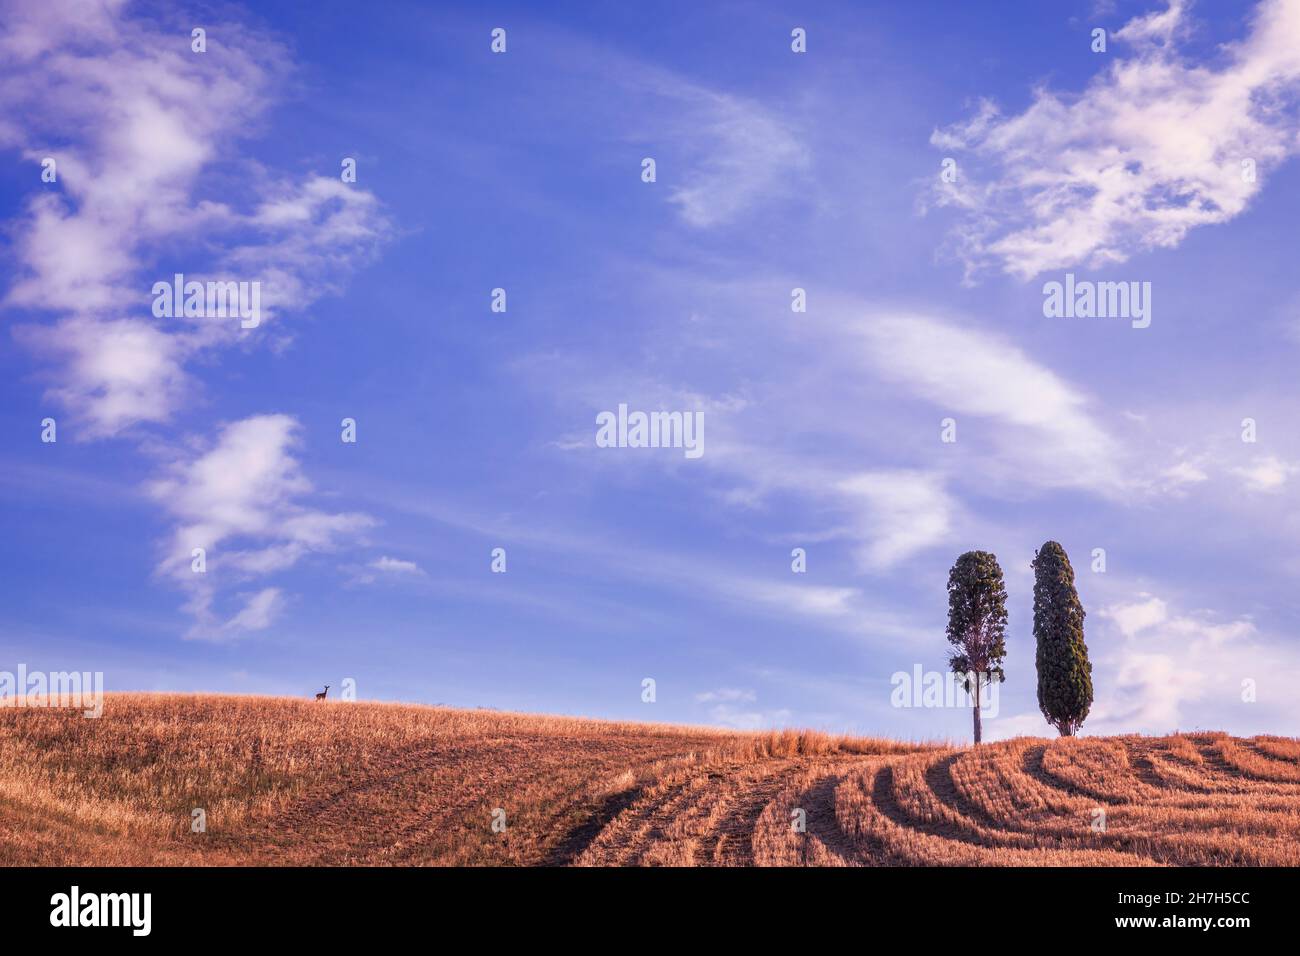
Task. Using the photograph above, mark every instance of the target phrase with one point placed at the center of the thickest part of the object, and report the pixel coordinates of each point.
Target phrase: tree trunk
(977, 708)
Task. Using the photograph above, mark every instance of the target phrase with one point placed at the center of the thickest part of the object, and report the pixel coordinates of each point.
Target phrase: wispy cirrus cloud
(1040, 431)
(902, 513)
(1154, 147)
(721, 155)
(738, 153)
(1049, 434)
(260, 611)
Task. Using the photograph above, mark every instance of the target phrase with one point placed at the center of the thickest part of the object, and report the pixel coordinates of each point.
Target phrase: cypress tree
(977, 621)
(1064, 673)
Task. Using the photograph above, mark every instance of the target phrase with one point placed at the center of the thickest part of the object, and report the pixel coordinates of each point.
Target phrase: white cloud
(395, 566)
(258, 613)
(117, 371)
(391, 569)
(136, 119)
(901, 513)
(141, 117)
(1030, 724)
(846, 609)
(1151, 149)
(727, 694)
(1039, 431)
(811, 600)
(729, 711)
(1185, 672)
(245, 489)
(968, 372)
(739, 154)
(742, 719)
(308, 237)
(1161, 26)
(1183, 473)
(1267, 474)
(1137, 616)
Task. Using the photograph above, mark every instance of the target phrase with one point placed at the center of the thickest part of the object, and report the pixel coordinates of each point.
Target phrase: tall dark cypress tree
(1064, 673)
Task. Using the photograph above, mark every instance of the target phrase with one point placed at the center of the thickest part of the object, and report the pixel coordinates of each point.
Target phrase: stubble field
(293, 782)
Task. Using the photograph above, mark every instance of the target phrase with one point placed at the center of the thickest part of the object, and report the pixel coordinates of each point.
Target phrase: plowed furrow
(818, 801)
(729, 842)
(799, 826)
(912, 842)
(1033, 766)
(629, 837)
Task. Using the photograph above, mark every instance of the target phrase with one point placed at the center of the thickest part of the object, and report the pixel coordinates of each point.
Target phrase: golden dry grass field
(283, 781)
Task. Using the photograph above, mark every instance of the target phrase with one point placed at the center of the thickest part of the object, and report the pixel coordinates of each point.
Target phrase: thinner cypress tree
(977, 622)
(1064, 673)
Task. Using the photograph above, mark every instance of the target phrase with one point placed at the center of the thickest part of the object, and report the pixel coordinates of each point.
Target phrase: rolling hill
(220, 780)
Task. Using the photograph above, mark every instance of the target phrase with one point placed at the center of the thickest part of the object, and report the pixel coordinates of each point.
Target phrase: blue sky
(775, 170)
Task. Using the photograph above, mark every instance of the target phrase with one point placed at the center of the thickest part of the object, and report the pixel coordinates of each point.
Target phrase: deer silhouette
(321, 695)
